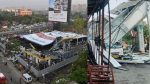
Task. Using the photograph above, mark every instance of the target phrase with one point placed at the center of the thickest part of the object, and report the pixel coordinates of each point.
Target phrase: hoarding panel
(58, 10)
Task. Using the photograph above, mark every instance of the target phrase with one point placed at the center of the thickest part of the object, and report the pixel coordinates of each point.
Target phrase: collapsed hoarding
(46, 38)
(40, 38)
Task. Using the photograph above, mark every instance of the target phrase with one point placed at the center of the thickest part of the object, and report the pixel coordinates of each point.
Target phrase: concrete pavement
(137, 74)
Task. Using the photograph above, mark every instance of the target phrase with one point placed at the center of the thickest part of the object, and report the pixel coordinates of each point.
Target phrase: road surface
(137, 74)
(10, 71)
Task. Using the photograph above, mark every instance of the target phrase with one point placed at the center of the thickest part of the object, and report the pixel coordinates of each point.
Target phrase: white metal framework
(121, 25)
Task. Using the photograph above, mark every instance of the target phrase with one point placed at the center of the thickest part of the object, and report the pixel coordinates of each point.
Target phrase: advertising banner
(58, 10)
(40, 38)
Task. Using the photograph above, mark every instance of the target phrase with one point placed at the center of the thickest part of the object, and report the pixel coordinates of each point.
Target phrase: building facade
(24, 12)
(19, 12)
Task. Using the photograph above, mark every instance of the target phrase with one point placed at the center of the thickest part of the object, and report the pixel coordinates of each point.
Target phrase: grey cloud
(34, 4)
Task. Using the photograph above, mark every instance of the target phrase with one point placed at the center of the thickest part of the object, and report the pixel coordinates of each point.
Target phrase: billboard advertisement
(40, 38)
(58, 10)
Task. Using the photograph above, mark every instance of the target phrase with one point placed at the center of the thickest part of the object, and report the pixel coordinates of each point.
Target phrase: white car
(27, 78)
(116, 49)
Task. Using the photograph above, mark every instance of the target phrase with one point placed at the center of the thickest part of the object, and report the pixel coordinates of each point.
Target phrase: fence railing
(39, 73)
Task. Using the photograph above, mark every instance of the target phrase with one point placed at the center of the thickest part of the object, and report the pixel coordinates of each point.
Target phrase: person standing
(11, 79)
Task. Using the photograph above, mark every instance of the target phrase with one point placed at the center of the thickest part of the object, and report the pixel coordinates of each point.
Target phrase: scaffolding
(100, 73)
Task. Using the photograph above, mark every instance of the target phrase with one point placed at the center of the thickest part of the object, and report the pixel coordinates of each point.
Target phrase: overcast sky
(34, 4)
(43, 4)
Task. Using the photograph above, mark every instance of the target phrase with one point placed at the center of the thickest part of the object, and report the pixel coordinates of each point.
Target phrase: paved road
(137, 74)
(11, 72)
(23, 31)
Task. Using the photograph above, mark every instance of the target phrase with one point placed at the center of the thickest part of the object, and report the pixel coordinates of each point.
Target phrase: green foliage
(79, 14)
(61, 81)
(79, 24)
(79, 69)
(79, 75)
(14, 45)
(8, 16)
(25, 19)
(128, 38)
(31, 19)
(146, 31)
(39, 18)
(81, 62)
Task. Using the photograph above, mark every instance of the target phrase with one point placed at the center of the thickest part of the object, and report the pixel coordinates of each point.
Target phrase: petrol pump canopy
(46, 38)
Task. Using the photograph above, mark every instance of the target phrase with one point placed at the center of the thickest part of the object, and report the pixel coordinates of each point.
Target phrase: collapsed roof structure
(47, 38)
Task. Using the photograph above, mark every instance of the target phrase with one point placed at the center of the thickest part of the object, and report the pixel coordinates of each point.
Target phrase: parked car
(27, 78)
(3, 79)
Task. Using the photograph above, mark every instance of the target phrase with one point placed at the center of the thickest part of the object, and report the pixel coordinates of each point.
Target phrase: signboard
(58, 10)
(47, 38)
(40, 38)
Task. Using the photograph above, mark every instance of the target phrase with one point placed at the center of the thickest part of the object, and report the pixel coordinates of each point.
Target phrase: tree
(79, 75)
(79, 24)
(146, 31)
(10, 17)
(79, 69)
(128, 38)
(14, 45)
(25, 19)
